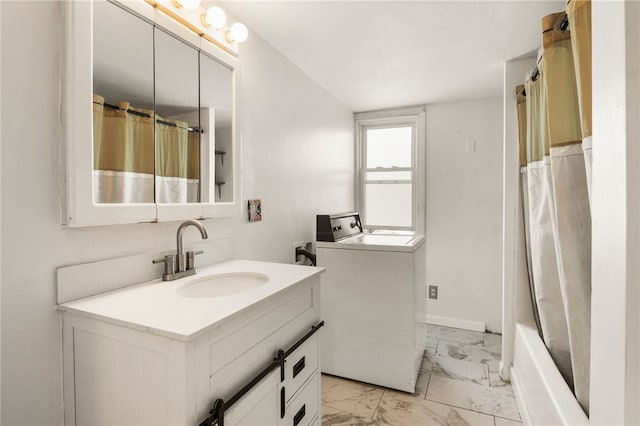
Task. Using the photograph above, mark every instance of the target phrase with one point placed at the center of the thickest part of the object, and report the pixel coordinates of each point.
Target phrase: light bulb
(238, 32)
(215, 17)
(187, 4)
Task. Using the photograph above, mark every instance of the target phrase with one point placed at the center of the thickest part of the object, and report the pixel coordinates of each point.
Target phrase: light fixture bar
(190, 26)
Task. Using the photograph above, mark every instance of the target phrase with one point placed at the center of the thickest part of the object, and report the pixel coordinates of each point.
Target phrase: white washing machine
(372, 301)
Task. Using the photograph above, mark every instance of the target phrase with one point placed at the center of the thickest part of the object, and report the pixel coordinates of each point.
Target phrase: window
(390, 164)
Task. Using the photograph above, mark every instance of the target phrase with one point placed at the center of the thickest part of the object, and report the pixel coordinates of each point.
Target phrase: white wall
(615, 209)
(297, 157)
(464, 211)
(297, 153)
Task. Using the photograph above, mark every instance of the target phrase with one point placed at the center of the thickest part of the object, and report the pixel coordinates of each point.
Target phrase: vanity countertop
(156, 306)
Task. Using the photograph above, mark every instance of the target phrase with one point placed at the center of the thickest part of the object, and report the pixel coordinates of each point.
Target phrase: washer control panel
(337, 226)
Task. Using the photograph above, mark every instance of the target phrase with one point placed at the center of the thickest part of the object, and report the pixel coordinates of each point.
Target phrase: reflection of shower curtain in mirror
(193, 168)
(122, 154)
(177, 166)
(123, 160)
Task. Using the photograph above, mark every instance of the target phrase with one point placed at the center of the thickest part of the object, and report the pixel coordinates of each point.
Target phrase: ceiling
(381, 54)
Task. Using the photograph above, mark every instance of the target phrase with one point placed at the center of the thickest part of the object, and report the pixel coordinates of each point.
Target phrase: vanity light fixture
(209, 24)
(215, 17)
(187, 4)
(237, 33)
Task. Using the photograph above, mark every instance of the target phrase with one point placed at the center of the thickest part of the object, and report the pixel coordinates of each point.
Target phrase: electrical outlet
(433, 292)
(295, 246)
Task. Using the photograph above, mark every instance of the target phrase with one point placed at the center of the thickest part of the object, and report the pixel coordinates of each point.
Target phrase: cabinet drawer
(300, 365)
(303, 408)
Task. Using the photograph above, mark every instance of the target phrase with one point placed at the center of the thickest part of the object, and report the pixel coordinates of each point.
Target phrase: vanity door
(258, 407)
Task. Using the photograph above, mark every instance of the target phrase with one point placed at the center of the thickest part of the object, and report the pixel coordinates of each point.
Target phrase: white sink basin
(222, 284)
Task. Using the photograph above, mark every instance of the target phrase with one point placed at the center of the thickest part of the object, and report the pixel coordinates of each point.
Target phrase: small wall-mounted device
(254, 210)
(470, 145)
(433, 292)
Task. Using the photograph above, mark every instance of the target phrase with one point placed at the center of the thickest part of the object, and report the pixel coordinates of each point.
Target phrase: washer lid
(377, 242)
(377, 239)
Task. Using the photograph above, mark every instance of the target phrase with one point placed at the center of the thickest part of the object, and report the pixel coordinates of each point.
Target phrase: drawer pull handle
(298, 367)
(282, 402)
(299, 416)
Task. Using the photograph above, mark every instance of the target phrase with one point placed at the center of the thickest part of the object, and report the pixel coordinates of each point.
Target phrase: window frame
(413, 117)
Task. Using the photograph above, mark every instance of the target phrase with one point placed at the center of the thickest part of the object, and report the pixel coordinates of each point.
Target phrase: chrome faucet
(175, 266)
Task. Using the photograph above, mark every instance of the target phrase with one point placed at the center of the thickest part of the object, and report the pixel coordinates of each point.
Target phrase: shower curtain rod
(144, 114)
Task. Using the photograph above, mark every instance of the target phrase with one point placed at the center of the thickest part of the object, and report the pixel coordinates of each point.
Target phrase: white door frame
(615, 317)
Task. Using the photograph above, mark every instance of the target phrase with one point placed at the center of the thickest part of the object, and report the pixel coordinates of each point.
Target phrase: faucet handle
(169, 262)
(191, 264)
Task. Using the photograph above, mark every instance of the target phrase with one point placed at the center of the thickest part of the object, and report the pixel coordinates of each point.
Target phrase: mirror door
(216, 118)
(123, 104)
(177, 128)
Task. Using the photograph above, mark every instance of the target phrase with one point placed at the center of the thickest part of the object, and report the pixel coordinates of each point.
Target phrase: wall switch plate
(254, 210)
(433, 292)
(470, 145)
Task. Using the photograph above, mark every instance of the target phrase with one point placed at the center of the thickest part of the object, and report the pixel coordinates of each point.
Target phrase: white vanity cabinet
(121, 372)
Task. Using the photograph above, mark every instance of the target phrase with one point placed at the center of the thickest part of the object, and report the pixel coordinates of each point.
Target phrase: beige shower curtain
(572, 217)
(579, 14)
(544, 269)
(558, 116)
(524, 185)
(122, 153)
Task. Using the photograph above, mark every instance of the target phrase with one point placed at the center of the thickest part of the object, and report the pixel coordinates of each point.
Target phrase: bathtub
(542, 394)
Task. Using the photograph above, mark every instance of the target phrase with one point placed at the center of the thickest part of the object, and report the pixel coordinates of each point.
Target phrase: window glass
(388, 204)
(389, 147)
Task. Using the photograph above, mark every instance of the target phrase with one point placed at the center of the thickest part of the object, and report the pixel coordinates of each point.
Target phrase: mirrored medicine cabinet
(150, 123)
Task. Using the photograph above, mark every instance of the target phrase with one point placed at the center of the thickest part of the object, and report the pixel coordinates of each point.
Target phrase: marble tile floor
(458, 385)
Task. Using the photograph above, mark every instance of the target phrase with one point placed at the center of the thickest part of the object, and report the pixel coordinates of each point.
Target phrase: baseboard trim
(517, 392)
(456, 323)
